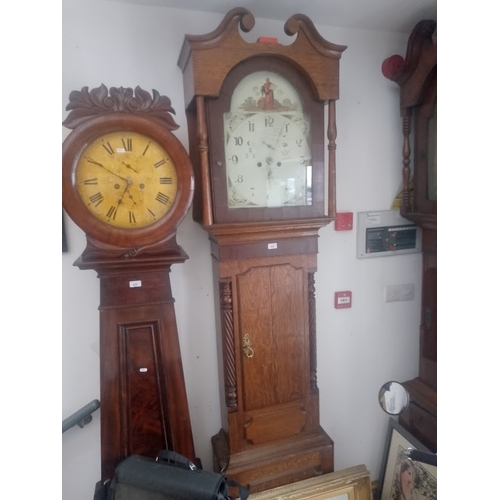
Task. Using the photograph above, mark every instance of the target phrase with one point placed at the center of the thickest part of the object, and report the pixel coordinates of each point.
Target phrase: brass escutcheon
(247, 346)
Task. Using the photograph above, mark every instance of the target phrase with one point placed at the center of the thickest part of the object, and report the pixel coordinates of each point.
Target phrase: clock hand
(120, 201)
(279, 135)
(270, 159)
(128, 166)
(90, 160)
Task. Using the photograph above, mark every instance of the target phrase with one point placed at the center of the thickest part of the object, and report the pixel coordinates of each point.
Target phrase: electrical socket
(396, 293)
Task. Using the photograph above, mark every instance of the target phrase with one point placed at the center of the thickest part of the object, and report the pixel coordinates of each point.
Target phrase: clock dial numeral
(111, 214)
(126, 180)
(96, 199)
(127, 144)
(269, 122)
(160, 163)
(162, 198)
(108, 148)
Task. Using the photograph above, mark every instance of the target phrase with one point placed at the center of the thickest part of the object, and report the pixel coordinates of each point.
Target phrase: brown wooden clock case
(264, 188)
(417, 79)
(127, 183)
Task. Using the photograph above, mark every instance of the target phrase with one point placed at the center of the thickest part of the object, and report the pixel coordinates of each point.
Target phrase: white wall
(359, 348)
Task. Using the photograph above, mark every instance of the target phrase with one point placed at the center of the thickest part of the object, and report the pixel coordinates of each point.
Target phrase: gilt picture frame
(401, 478)
(349, 484)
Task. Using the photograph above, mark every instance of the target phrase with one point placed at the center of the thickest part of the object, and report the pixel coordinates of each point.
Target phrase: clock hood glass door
(267, 145)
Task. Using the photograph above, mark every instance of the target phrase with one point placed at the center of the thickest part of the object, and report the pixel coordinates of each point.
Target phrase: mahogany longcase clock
(265, 170)
(127, 183)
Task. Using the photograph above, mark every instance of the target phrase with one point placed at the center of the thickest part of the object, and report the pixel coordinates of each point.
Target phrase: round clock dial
(126, 179)
(267, 144)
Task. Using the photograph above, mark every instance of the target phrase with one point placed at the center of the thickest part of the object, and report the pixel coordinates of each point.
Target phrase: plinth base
(266, 466)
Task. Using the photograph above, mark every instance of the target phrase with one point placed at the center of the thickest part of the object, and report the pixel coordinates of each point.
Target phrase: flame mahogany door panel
(144, 405)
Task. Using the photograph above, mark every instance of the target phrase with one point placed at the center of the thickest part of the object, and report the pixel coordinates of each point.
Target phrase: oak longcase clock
(262, 127)
(128, 182)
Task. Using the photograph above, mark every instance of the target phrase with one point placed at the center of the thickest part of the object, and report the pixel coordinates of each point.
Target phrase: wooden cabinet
(144, 407)
(267, 334)
(418, 103)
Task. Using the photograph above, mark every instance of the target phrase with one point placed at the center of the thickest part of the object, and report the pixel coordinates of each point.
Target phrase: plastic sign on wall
(386, 233)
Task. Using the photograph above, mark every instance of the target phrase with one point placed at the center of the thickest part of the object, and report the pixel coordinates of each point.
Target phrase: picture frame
(349, 484)
(401, 478)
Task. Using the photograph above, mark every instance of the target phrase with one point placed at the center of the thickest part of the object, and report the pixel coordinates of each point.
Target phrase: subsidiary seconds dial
(126, 180)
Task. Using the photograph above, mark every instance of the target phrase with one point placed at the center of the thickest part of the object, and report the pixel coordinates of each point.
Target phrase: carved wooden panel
(313, 382)
(226, 304)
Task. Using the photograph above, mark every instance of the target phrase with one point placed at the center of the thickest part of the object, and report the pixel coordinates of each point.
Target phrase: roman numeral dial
(126, 180)
(267, 145)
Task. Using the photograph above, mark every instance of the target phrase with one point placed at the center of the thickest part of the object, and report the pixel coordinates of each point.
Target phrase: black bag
(170, 477)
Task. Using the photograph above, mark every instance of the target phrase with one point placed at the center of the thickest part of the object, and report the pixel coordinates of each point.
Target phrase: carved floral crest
(87, 104)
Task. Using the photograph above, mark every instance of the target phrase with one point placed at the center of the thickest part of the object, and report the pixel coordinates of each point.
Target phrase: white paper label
(272, 246)
(135, 284)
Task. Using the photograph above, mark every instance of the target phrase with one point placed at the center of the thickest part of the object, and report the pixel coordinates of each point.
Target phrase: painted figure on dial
(268, 93)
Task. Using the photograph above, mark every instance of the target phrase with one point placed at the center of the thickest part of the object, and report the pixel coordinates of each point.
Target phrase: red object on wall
(343, 300)
(343, 222)
(392, 66)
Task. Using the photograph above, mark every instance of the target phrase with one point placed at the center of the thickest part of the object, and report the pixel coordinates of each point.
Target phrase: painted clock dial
(126, 179)
(267, 144)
